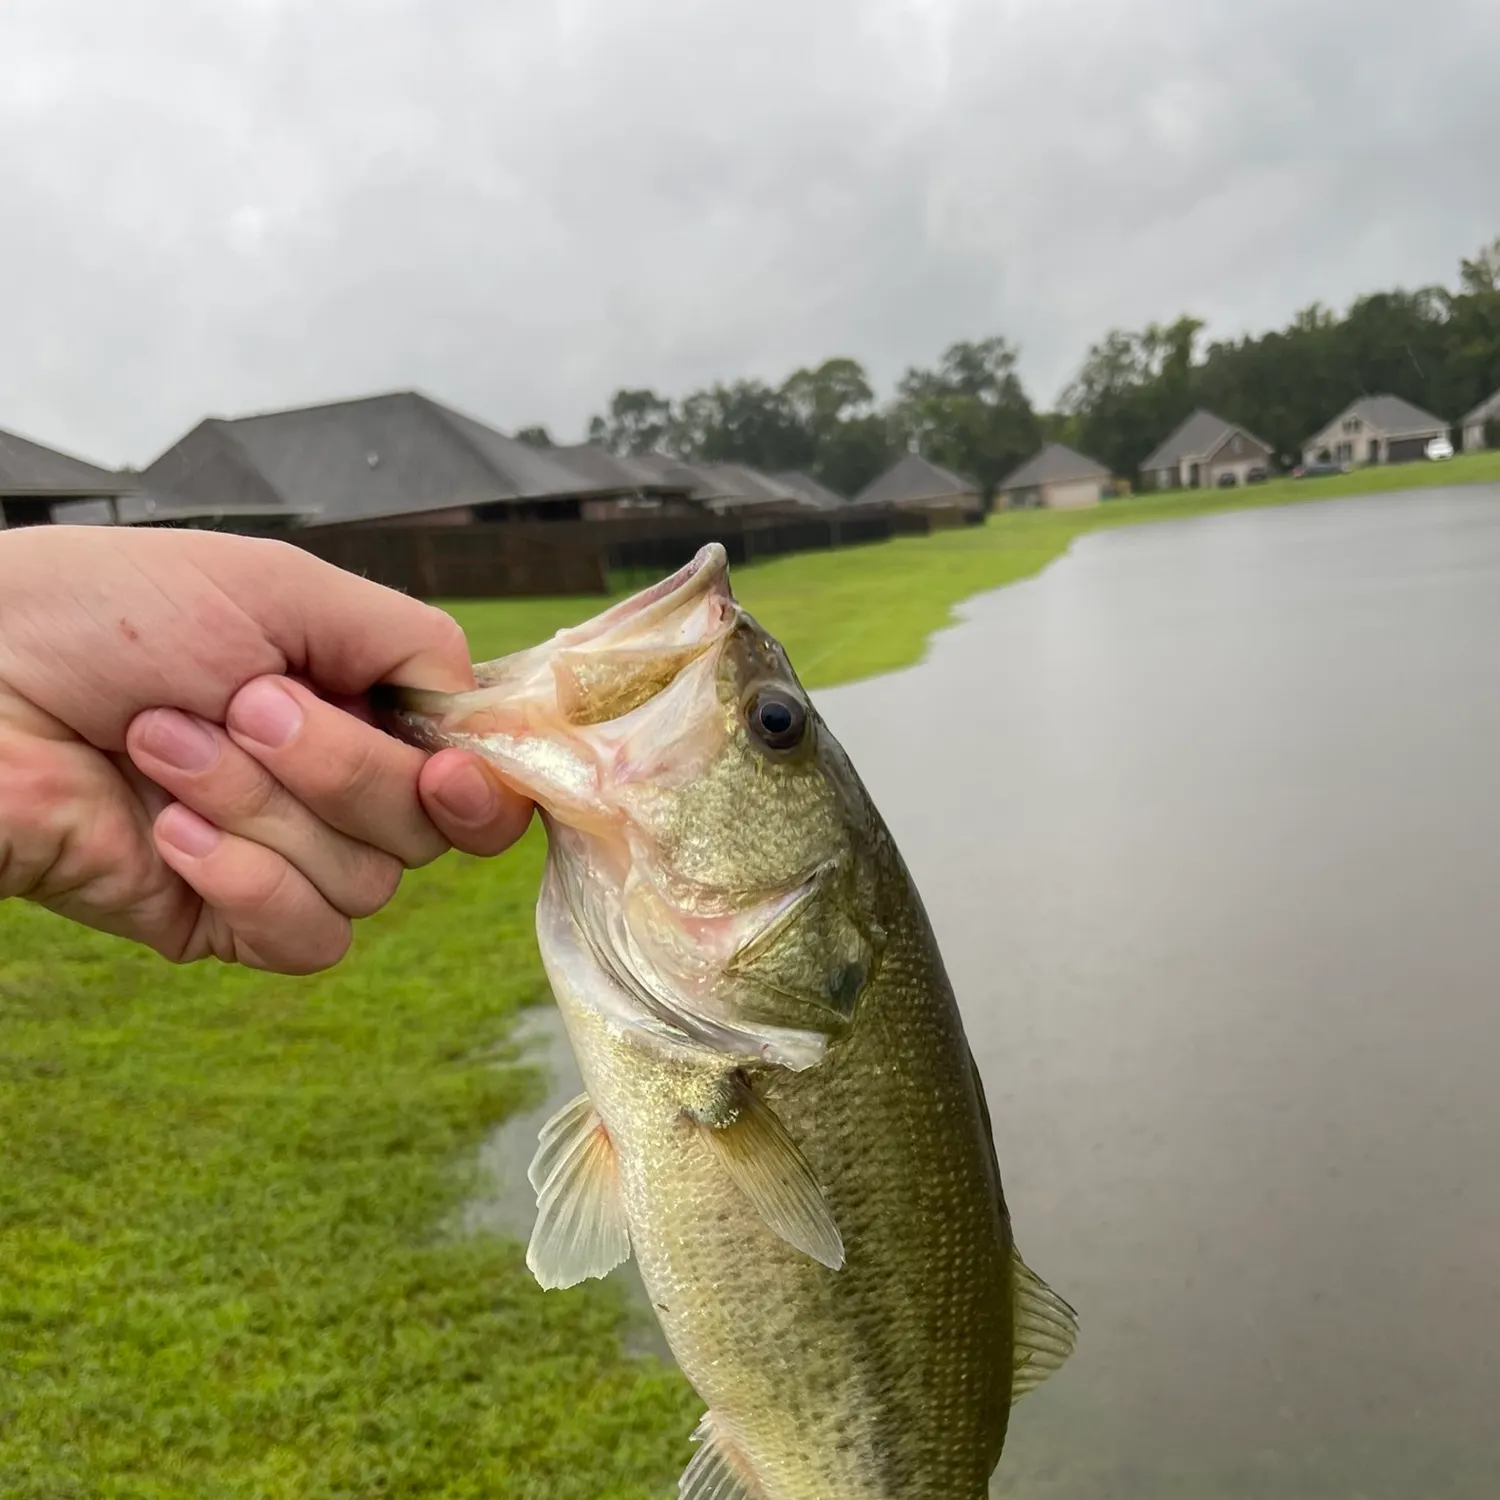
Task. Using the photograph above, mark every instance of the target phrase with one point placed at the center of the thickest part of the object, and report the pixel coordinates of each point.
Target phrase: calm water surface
(1206, 819)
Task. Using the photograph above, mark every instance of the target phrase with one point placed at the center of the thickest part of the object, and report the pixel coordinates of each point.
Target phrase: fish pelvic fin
(752, 1145)
(1046, 1329)
(718, 1470)
(581, 1231)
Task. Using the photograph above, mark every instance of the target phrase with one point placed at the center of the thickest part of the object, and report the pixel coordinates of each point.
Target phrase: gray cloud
(519, 206)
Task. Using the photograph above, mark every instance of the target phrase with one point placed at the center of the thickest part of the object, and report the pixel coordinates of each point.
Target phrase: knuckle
(447, 632)
(328, 947)
(340, 775)
(375, 883)
(246, 792)
(261, 881)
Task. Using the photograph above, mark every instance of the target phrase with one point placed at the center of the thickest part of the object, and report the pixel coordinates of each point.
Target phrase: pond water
(1206, 820)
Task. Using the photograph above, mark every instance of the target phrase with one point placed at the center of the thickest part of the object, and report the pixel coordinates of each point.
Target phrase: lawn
(229, 1261)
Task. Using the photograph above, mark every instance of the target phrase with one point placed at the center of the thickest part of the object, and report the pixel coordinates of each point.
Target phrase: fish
(781, 1120)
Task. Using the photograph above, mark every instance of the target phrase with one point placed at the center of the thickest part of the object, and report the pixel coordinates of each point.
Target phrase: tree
(837, 391)
(535, 437)
(852, 453)
(747, 422)
(1438, 348)
(637, 422)
(972, 413)
(1482, 274)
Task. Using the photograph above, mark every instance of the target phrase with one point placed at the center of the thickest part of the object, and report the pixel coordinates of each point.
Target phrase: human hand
(185, 755)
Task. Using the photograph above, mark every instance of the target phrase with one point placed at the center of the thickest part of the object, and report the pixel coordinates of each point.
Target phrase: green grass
(863, 610)
(228, 1260)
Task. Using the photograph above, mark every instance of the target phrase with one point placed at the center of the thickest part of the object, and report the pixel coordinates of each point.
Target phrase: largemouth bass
(782, 1120)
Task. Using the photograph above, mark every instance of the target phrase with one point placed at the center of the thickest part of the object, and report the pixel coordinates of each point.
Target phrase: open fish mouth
(707, 573)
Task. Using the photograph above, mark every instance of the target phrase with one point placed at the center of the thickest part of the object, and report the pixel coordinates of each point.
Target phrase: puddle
(507, 1204)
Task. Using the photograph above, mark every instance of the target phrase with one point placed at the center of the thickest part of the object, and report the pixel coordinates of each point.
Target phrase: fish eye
(777, 719)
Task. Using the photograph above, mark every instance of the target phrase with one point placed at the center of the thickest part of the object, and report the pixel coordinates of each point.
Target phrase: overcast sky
(220, 206)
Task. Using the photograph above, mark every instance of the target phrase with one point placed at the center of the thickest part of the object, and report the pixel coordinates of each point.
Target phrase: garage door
(1073, 494)
(1403, 450)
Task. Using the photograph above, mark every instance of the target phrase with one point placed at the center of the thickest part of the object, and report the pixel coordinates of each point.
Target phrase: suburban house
(813, 494)
(737, 489)
(1474, 425)
(1375, 430)
(1202, 451)
(156, 508)
(727, 489)
(916, 483)
(36, 483)
(385, 459)
(663, 488)
(1057, 478)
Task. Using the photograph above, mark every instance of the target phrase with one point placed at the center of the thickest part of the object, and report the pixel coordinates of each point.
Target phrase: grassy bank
(850, 614)
(228, 1262)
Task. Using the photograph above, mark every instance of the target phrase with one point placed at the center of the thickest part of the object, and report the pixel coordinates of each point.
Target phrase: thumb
(469, 804)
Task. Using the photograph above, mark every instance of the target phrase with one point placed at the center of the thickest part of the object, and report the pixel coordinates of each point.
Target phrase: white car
(1439, 447)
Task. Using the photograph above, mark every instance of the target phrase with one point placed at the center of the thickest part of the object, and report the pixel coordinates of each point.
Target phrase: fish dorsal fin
(580, 1229)
(717, 1470)
(765, 1163)
(1046, 1328)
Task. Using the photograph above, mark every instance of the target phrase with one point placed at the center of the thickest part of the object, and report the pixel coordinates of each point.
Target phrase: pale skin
(185, 756)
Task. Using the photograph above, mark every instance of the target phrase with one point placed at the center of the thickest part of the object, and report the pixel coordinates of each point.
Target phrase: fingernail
(265, 713)
(183, 829)
(179, 740)
(468, 794)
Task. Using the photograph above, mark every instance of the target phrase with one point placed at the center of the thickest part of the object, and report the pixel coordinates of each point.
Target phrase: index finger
(340, 630)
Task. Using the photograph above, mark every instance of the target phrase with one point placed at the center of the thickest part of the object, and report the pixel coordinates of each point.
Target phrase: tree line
(1434, 346)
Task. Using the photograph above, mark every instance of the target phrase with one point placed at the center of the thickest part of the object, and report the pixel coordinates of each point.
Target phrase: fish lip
(708, 568)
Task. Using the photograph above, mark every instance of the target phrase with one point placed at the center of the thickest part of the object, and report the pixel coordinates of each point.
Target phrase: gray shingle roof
(666, 469)
(1392, 416)
(378, 456)
(913, 477)
(1196, 437)
(153, 506)
(29, 469)
(1055, 464)
(740, 485)
(1487, 410)
(810, 491)
(599, 465)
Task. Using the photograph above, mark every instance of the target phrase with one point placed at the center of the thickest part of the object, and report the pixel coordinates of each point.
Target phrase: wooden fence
(461, 562)
(517, 558)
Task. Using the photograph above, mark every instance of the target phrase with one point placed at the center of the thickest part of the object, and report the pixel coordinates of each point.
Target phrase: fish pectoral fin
(1046, 1328)
(718, 1470)
(580, 1230)
(765, 1163)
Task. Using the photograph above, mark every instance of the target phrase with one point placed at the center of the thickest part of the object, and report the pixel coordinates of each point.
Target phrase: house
(1202, 450)
(1474, 425)
(36, 482)
(1375, 430)
(737, 489)
(813, 494)
(157, 508)
(916, 483)
(660, 489)
(386, 459)
(1057, 478)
